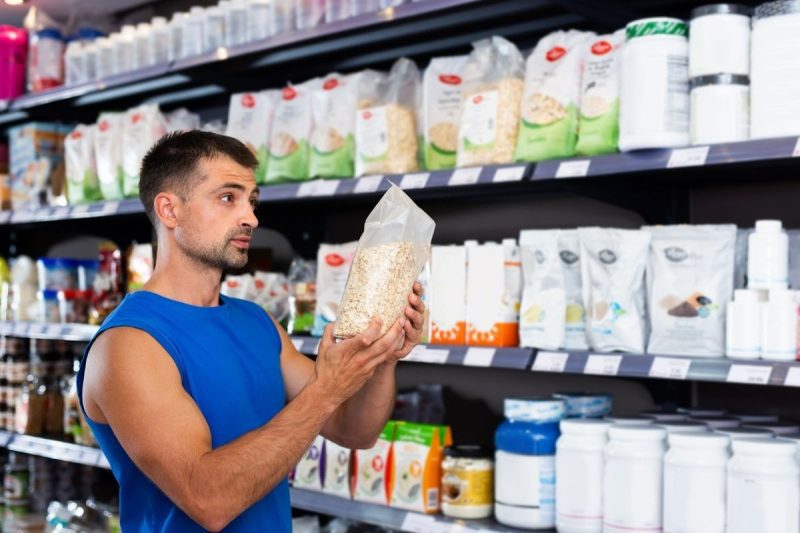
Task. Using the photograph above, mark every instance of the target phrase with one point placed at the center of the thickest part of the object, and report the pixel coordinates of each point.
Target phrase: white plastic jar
(654, 89)
(630, 420)
(104, 64)
(160, 40)
(695, 477)
(720, 106)
(143, 45)
(718, 422)
(743, 325)
(176, 25)
(236, 23)
(768, 256)
(779, 429)
(684, 426)
(779, 326)
(214, 28)
(193, 32)
(696, 412)
(719, 40)
(633, 479)
(580, 464)
(763, 487)
(75, 63)
(258, 20)
(741, 433)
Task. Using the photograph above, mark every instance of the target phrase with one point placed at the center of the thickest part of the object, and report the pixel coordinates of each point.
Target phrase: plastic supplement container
(718, 422)
(467, 482)
(236, 23)
(258, 20)
(720, 109)
(779, 326)
(701, 411)
(683, 426)
(746, 433)
(193, 32)
(525, 462)
(763, 487)
(768, 256)
(143, 45)
(160, 40)
(633, 479)
(719, 40)
(654, 87)
(580, 464)
(743, 325)
(586, 405)
(779, 429)
(214, 28)
(695, 475)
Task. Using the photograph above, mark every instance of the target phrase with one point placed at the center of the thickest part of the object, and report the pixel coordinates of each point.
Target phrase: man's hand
(414, 314)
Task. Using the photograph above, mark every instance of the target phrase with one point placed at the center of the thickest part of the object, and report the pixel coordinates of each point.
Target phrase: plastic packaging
(360, 7)
(664, 416)
(143, 126)
(743, 337)
(718, 422)
(720, 109)
(236, 23)
(779, 326)
(543, 310)
(740, 433)
(108, 152)
(289, 148)
(193, 32)
(779, 429)
(160, 41)
(309, 13)
(250, 118)
(391, 252)
(570, 255)
(654, 96)
(45, 61)
(81, 167)
(281, 16)
(214, 29)
(768, 256)
(125, 49)
(333, 267)
(442, 87)
(176, 25)
(683, 426)
(747, 418)
(333, 106)
(13, 61)
(337, 10)
(258, 20)
(105, 62)
(719, 40)
(75, 64)
(143, 46)
(630, 420)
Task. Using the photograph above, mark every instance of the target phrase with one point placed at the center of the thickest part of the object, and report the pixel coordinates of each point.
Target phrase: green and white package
(548, 126)
(143, 126)
(333, 107)
(442, 88)
(291, 129)
(249, 120)
(108, 154)
(598, 130)
(81, 167)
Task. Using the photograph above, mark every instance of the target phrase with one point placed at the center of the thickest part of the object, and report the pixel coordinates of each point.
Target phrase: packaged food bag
(575, 316)
(309, 472)
(543, 311)
(249, 120)
(291, 129)
(372, 474)
(689, 284)
(182, 120)
(441, 89)
(36, 165)
(81, 166)
(333, 105)
(598, 129)
(416, 466)
(108, 154)
(337, 470)
(548, 125)
(391, 253)
(333, 267)
(448, 295)
(612, 273)
(386, 125)
(302, 279)
(489, 123)
(143, 126)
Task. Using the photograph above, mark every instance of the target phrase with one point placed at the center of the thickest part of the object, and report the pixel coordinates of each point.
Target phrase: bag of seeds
(391, 253)
(386, 123)
(490, 103)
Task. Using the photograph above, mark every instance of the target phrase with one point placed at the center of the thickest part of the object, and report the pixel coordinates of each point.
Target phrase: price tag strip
(573, 169)
(465, 176)
(688, 157)
(415, 181)
(368, 184)
(603, 365)
(793, 377)
(479, 357)
(749, 374)
(508, 174)
(550, 362)
(670, 368)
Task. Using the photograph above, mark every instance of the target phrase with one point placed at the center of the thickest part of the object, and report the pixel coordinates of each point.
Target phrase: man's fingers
(365, 339)
(327, 339)
(417, 288)
(415, 317)
(415, 301)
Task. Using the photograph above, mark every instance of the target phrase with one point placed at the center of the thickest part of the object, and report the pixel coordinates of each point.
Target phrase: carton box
(448, 295)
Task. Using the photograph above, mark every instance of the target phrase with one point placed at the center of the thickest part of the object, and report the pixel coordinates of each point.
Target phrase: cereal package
(81, 167)
(441, 88)
(291, 128)
(333, 105)
(249, 120)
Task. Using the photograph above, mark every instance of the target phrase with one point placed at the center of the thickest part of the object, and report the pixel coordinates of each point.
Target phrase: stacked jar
(719, 71)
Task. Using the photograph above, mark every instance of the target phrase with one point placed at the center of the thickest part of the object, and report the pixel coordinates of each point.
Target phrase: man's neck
(183, 279)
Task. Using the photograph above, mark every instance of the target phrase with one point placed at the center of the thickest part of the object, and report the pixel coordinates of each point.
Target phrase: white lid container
(631, 420)
(683, 426)
(258, 17)
(664, 416)
(719, 40)
(718, 422)
(746, 433)
(768, 256)
(236, 23)
(778, 428)
(747, 418)
(720, 109)
(534, 409)
(779, 326)
(743, 325)
(696, 412)
(214, 28)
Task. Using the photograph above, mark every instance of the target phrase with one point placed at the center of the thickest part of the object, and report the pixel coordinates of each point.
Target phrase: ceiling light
(14, 2)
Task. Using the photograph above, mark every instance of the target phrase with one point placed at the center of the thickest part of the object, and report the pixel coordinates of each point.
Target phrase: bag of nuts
(392, 251)
(386, 122)
(493, 83)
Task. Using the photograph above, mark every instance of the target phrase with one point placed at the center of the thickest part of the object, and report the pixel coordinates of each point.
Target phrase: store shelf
(387, 517)
(53, 449)
(34, 330)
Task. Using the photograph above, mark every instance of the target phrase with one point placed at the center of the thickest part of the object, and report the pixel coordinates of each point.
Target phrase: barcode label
(433, 499)
(573, 169)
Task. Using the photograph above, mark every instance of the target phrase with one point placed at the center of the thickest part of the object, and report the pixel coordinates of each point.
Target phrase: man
(201, 402)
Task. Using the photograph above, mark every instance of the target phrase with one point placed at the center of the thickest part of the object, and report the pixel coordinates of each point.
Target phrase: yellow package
(416, 466)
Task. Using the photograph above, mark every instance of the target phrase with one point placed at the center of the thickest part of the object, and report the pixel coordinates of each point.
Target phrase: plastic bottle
(768, 256)
(143, 45)
(779, 327)
(45, 61)
(105, 64)
(13, 61)
(258, 20)
(309, 13)
(282, 16)
(124, 49)
(160, 41)
(743, 325)
(90, 56)
(193, 41)
(214, 28)
(176, 25)
(236, 23)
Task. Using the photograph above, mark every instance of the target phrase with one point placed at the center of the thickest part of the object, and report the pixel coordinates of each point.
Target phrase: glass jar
(467, 482)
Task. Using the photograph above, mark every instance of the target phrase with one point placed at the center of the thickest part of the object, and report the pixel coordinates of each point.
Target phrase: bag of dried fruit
(391, 253)
(386, 123)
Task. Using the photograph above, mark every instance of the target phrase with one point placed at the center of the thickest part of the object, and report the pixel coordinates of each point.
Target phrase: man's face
(217, 220)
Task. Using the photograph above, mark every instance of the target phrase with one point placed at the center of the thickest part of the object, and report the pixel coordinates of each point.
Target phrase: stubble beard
(222, 256)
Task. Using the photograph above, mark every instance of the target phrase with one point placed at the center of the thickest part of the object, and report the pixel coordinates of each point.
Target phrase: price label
(479, 357)
(550, 362)
(368, 184)
(22, 216)
(306, 189)
(4, 217)
(793, 377)
(325, 187)
(414, 181)
(41, 214)
(60, 213)
(110, 208)
(508, 174)
(688, 157)
(750, 374)
(419, 523)
(80, 210)
(423, 354)
(465, 176)
(573, 169)
(603, 365)
(796, 152)
(298, 344)
(670, 368)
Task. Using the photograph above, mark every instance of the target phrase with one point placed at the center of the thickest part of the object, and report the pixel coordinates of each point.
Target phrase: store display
(543, 308)
(250, 118)
(333, 108)
(416, 466)
(81, 166)
(143, 127)
(442, 87)
(392, 251)
(108, 142)
(719, 40)
(579, 475)
(467, 482)
(494, 290)
(333, 268)
(448, 296)
(552, 97)
(282, 16)
(290, 133)
(720, 109)
(45, 64)
(36, 165)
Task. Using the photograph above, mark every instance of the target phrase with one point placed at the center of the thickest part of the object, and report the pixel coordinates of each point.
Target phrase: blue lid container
(531, 425)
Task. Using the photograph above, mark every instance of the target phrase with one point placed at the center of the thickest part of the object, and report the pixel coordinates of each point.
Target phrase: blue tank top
(229, 362)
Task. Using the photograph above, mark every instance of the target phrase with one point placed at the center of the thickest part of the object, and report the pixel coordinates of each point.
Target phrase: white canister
(665, 416)
(694, 482)
(125, 49)
(719, 422)
(633, 479)
(214, 28)
(75, 64)
(143, 45)
(654, 91)
(176, 25)
(719, 40)
(742, 433)
(579, 475)
(236, 23)
(720, 109)
(630, 420)
(779, 326)
(683, 426)
(193, 32)
(258, 20)
(763, 487)
(768, 256)
(779, 429)
(743, 325)
(160, 40)
(104, 64)
(775, 71)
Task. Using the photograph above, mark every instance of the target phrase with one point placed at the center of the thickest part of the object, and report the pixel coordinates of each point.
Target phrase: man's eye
(227, 198)
(254, 203)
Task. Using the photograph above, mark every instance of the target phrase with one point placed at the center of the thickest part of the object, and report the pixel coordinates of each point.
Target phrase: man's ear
(167, 207)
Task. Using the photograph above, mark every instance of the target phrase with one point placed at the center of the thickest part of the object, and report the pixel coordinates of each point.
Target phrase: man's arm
(213, 486)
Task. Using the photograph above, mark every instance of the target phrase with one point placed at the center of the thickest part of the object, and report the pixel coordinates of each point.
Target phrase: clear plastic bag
(391, 253)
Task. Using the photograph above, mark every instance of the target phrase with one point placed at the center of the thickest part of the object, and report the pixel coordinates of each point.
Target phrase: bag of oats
(441, 89)
(108, 154)
(143, 126)
(493, 82)
(548, 126)
(598, 131)
(249, 120)
(333, 267)
(333, 106)
(291, 129)
(392, 251)
(81, 167)
(386, 123)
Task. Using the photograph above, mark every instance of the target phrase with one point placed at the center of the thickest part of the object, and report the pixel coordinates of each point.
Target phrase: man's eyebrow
(236, 186)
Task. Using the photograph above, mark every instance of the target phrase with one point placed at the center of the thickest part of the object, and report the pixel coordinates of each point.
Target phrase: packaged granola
(441, 88)
(291, 129)
(333, 106)
(333, 267)
(249, 120)
(386, 125)
(143, 126)
(108, 154)
(548, 125)
(81, 168)
(392, 251)
(493, 82)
